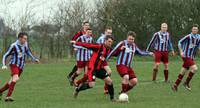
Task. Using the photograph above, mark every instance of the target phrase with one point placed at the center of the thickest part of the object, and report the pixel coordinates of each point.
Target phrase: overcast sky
(14, 8)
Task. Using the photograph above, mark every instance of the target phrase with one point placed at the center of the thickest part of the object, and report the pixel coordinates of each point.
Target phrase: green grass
(45, 86)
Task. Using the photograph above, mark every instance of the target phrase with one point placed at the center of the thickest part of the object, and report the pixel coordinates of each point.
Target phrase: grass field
(45, 86)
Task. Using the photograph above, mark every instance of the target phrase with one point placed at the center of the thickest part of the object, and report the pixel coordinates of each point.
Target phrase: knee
(125, 78)
(15, 78)
(166, 66)
(133, 81)
(91, 84)
(194, 69)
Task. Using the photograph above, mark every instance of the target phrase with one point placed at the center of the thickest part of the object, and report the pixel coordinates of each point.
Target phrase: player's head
(22, 37)
(108, 31)
(164, 27)
(109, 40)
(86, 25)
(131, 37)
(89, 32)
(195, 29)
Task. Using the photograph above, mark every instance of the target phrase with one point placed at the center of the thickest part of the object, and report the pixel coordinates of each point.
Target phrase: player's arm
(29, 53)
(5, 56)
(171, 46)
(143, 53)
(116, 50)
(87, 45)
(180, 42)
(152, 41)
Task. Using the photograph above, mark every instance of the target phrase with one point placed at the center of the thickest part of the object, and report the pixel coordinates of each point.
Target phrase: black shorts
(101, 74)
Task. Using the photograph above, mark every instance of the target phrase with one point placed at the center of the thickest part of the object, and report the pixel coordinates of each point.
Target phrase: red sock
(124, 88)
(105, 87)
(83, 79)
(11, 88)
(129, 88)
(74, 76)
(4, 88)
(190, 75)
(166, 75)
(155, 71)
(180, 77)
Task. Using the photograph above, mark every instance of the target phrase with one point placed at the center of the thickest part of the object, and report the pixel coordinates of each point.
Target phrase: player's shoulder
(156, 33)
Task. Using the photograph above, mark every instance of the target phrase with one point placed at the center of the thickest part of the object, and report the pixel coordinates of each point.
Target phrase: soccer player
(95, 69)
(100, 40)
(85, 26)
(18, 51)
(188, 47)
(83, 55)
(125, 51)
(162, 44)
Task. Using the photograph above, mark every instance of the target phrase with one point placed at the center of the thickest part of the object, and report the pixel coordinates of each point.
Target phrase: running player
(18, 51)
(83, 55)
(188, 47)
(95, 69)
(125, 51)
(85, 26)
(101, 39)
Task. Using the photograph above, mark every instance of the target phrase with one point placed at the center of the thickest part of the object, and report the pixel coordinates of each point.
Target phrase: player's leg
(193, 70)
(4, 88)
(86, 85)
(166, 62)
(132, 80)
(156, 64)
(76, 74)
(83, 79)
(15, 78)
(123, 72)
(72, 72)
(179, 79)
(166, 72)
(109, 83)
(109, 71)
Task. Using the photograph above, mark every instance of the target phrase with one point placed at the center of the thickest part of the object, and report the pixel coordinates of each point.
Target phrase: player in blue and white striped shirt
(188, 47)
(161, 44)
(18, 52)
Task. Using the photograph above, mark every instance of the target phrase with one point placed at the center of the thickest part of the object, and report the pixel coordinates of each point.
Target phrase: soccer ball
(123, 97)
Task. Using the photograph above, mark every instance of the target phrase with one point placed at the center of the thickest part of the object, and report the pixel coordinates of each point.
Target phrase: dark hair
(89, 29)
(21, 34)
(109, 37)
(195, 25)
(84, 22)
(108, 28)
(131, 33)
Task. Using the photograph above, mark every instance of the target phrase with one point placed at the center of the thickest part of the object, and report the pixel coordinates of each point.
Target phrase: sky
(16, 8)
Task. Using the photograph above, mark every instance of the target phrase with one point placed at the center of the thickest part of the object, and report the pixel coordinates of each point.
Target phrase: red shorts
(161, 56)
(187, 62)
(124, 70)
(82, 64)
(15, 70)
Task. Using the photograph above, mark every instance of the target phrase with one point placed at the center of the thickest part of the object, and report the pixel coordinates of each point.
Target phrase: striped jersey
(161, 42)
(101, 39)
(189, 44)
(83, 54)
(18, 54)
(125, 56)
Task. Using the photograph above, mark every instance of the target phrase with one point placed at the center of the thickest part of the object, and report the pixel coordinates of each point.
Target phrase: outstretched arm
(87, 45)
(29, 53)
(143, 53)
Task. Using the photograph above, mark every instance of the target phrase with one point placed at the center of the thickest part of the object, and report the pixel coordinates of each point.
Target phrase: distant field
(45, 86)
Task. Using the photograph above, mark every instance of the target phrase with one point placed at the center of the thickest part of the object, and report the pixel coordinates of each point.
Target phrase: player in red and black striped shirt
(95, 68)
